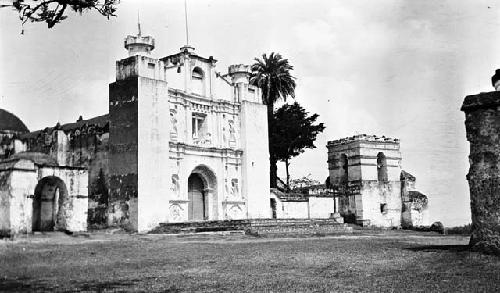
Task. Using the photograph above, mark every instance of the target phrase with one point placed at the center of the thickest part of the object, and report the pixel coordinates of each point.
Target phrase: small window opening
(198, 126)
(381, 167)
(383, 208)
(197, 74)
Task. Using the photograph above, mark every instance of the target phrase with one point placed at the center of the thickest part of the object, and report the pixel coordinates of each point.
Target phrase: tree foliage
(304, 181)
(292, 132)
(52, 11)
(272, 75)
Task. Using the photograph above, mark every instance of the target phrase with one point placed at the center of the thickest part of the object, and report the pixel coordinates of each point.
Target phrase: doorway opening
(50, 194)
(197, 207)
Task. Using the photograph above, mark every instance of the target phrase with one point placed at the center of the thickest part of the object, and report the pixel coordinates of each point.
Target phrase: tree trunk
(273, 172)
(287, 174)
(273, 168)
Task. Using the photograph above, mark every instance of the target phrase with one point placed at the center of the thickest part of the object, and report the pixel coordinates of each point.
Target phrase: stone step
(257, 226)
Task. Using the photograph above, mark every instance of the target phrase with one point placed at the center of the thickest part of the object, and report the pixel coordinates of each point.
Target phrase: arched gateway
(202, 194)
(50, 197)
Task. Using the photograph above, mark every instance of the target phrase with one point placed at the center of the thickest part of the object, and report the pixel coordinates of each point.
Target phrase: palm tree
(272, 75)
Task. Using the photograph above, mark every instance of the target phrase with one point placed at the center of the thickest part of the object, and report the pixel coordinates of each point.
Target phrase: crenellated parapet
(364, 138)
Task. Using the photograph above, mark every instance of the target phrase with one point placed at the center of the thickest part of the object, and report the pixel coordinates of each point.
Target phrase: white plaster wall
(154, 72)
(222, 90)
(175, 80)
(255, 144)
(154, 175)
(77, 221)
(292, 210)
(321, 207)
(371, 200)
(22, 186)
(5, 201)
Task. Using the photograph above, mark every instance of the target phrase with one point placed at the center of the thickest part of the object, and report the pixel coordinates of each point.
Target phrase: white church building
(182, 142)
(188, 143)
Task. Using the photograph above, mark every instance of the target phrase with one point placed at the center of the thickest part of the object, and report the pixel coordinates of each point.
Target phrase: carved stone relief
(176, 212)
(234, 212)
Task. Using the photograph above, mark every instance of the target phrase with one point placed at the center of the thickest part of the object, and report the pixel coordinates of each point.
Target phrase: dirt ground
(388, 261)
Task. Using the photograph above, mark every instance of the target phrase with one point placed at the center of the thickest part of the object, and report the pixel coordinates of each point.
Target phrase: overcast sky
(394, 68)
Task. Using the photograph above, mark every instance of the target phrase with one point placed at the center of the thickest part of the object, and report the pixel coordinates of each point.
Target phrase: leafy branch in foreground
(52, 11)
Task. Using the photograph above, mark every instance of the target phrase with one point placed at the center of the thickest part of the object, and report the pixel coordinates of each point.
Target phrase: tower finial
(138, 23)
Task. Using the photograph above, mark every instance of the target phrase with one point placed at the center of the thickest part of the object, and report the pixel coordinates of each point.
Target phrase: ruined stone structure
(414, 209)
(38, 195)
(482, 123)
(181, 142)
(365, 174)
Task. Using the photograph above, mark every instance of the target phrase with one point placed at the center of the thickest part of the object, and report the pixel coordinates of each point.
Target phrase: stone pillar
(482, 124)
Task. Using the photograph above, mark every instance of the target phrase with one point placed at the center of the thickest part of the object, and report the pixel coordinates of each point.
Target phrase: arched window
(197, 74)
(198, 81)
(382, 167)
(344, 163)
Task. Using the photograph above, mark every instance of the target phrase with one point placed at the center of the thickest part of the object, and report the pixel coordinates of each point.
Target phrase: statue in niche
(234, 187)
(232, 131)
(175, 185)
(173, 122)
(224, 135)
(227, 187)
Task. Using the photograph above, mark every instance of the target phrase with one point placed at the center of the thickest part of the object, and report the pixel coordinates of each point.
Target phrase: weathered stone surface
(44, 198)
(482, 124)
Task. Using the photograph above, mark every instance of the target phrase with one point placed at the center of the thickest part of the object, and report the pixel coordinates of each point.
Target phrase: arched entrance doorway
(202, 194)
(50, 194)
(197, 210)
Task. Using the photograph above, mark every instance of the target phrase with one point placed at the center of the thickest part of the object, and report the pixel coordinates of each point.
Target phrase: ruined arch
(382, 167)
(50, 204)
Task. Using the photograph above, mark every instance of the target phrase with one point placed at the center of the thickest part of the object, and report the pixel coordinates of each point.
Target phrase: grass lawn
(400, 261)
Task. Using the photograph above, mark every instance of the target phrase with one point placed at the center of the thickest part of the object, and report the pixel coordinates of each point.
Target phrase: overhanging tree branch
(52, 11)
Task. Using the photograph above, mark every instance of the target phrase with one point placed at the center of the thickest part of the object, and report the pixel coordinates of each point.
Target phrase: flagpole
(186, 17)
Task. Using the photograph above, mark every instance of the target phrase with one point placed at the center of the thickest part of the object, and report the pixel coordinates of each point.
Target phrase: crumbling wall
(482, 123)
(380, 204)
(73, 202)
(321, 207)
(17, 183)
(123, 151)
(80, 144)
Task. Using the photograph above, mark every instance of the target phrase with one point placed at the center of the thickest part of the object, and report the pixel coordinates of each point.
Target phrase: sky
(394, 68)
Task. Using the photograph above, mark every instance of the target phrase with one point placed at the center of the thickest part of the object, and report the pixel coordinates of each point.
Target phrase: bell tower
(138, 44)
(139, 138)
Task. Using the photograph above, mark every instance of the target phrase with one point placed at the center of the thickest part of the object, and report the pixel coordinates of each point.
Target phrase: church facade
(182, 142)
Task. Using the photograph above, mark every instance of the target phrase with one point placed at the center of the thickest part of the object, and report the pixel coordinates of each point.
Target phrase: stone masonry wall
(123, 148)
(81, 144)
(482, 124)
